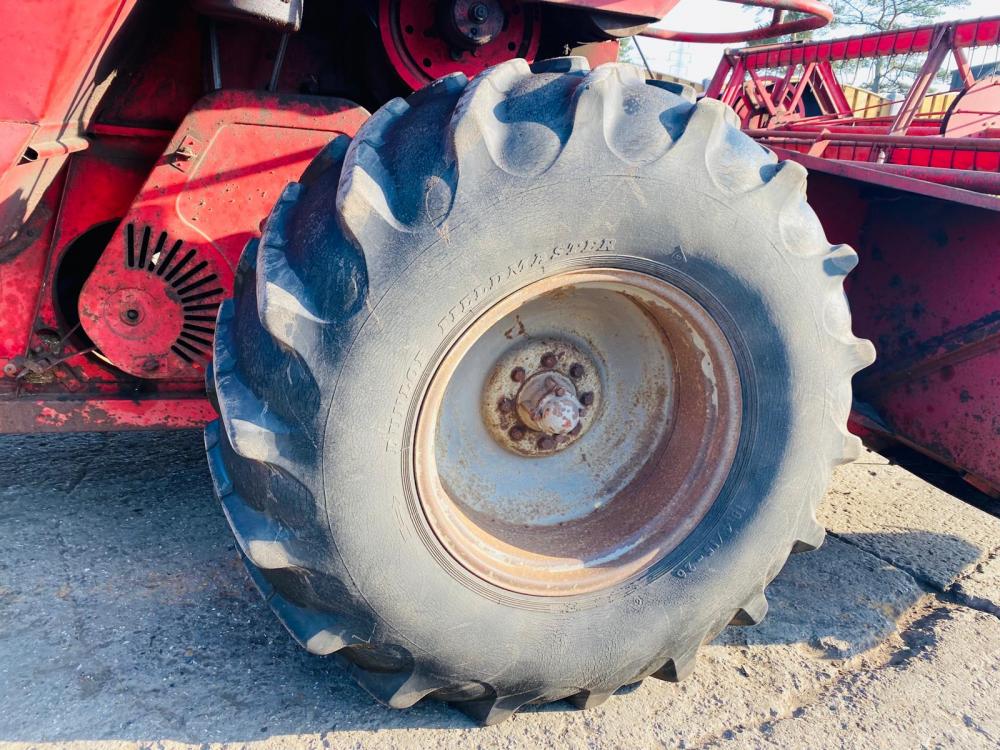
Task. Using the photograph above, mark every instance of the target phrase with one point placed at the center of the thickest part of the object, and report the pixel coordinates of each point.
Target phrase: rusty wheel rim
(615, 490)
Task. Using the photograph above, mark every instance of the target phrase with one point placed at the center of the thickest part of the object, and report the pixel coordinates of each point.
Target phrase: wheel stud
(517, 374)
(546, 443)
(517, 432)
(576, 371)
(548, 360)
(587, 399)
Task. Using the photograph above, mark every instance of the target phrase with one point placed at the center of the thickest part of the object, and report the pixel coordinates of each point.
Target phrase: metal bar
(41, 150)
(762, 91)
(964, 179)
(649, 70)
(964, 69)
(279, 61)
(909, 141)
(803, 83)
(915, 96)
(818, 14)
(781, 90)
(715, 86)
(735, 84)
(832, 88)
(213, 49)
(983, 32)
(864, 172)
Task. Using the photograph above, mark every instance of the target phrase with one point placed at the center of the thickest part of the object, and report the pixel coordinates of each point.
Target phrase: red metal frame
(916, 194)
(907, 143)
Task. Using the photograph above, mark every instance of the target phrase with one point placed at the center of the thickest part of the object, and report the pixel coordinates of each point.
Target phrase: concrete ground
(127, 621)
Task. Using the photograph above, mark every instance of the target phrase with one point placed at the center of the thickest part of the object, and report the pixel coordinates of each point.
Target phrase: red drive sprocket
(427, 39)
(150, 303)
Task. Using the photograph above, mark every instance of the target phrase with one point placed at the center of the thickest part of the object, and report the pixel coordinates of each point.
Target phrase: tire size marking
(536, 260)
(393, 438)
(723, 535)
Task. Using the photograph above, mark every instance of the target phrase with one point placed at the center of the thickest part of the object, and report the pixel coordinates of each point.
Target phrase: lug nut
(587, 399)
(547, 443)
(576, 371)
(548, 360)
(506, 406)
(517, 432)
(517, 374)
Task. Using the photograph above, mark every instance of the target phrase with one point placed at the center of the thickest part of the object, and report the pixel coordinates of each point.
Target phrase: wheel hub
(469, 24)
(576, 432)
(541, 396)
(428, 39)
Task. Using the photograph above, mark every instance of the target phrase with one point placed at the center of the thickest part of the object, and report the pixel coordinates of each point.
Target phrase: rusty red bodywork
(916, 193)
(141, 144)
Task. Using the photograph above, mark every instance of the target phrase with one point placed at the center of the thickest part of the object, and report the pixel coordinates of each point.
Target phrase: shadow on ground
(125, 613)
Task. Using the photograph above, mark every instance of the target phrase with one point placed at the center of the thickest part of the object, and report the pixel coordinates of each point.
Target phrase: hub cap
(577, 432)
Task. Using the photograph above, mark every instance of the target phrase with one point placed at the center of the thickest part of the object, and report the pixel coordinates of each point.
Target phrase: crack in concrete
(954, 594)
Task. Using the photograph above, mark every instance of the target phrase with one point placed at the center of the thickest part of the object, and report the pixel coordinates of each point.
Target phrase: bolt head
(587, 399)
(517, 432)
(517, 375)
(479, 13)
(549, 360)
(576, 371)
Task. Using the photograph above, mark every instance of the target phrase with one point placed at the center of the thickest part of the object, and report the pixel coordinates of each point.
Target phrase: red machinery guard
(150, 303)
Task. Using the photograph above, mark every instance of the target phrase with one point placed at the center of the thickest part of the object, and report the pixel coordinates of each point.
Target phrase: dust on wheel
(531, 389)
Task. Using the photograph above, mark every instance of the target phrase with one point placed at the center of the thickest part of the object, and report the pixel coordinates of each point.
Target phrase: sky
(699, 61)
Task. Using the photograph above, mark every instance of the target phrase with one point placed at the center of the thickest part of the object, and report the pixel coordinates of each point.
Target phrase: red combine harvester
(524, 386)
(915, 191)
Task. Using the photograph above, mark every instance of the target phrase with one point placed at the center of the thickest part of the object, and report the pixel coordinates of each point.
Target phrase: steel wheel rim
(657, 451)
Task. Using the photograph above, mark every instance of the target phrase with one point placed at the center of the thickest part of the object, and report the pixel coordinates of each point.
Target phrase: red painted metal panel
(99, 414)
(150, 303)
(65, 39)
(927, 293)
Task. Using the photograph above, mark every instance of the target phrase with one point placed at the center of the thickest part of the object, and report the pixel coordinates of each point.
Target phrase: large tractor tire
(530, 389)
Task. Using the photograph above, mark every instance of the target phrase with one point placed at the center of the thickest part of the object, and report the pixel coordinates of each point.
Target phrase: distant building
(979, 71)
